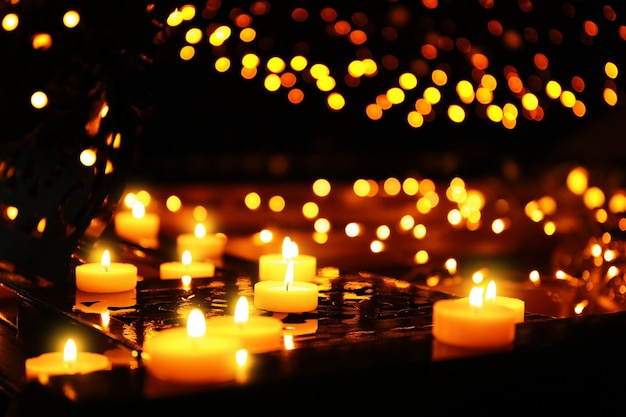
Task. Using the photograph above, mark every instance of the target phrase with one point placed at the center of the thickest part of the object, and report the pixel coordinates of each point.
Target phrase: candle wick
(287, 286)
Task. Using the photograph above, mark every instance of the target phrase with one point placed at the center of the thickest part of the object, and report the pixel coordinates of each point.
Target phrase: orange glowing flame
(490, 293)
(476, 297)
(106, 260)
(200, 230)
(138, 210)
(69, 353)
(196, 323)
(241, 311)
(289, 275)
(186, 258)
(290, 248)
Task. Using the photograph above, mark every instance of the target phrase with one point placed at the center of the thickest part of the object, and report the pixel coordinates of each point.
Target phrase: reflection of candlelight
(109, 303)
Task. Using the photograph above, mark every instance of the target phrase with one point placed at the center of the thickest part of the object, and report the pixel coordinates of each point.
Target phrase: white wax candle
(187, 267)
(201, 245)
(273, 266)
(106, 277)
(137, 226)
(189, 355)
(287, 296)
(274, 296)
(463, 323)
(257, 333)
(68, 362)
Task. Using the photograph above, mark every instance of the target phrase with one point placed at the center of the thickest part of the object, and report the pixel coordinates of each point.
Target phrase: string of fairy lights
(427, 60)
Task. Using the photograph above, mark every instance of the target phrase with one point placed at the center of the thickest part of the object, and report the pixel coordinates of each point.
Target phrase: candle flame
(290, 248)
(200, 230)
(289, 275)
(286, 246)
(106, 260)
(476, 297)
(241, 311)
(138, 210)
(186, 258)
(490, 293)
(196, 323)
(69, 353)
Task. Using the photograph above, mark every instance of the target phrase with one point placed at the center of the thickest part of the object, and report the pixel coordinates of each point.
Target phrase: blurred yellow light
(310, 210)
(10, 22)
(276, 203)
(39, 100)
(352, 229)
(252, 201)
(322, 225)
(173, 203)
(577, 180)
(71, 18)
(336, 101)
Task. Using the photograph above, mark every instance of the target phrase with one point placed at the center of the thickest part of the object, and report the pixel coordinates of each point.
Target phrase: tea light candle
(189, 355)
(515, 304)
(106, 277)
(187, 267)
(286, 296)
(272, 267)
(201, 245)
(68, 362)
(138, 226)
(257, 334)
(468, 322)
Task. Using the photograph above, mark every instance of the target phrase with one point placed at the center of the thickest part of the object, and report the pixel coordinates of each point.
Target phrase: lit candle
(68, 362)
(257, 333)
(468, 322)
(190, 356)
(201, 245)
(106, 277)
(286, 296)
(517, 305)
(137, 226)
(272, 267)
(186, 267)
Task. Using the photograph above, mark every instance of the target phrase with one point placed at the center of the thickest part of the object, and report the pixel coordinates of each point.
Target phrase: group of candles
(206, 350)
(211, 350)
